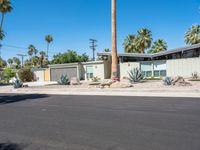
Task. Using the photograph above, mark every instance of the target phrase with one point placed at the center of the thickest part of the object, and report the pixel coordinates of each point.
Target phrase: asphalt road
(43, 122)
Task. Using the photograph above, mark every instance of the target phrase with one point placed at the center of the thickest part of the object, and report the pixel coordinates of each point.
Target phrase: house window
(156, 73)
(163, 73)
(89, 72)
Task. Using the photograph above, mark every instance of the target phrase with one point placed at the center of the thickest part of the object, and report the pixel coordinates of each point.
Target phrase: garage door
(56, 73)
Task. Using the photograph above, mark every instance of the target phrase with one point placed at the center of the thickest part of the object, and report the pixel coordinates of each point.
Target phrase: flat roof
(139, 55)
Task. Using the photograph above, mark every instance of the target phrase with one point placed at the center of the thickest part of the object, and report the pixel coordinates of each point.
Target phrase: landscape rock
(121, 85)
(180, 81)
(74, 81)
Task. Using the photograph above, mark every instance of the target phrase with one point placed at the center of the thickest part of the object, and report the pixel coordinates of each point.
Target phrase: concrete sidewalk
(154, 92)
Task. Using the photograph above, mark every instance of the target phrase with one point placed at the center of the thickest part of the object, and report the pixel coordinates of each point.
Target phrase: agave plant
(63, 80)
(17, 84)
(195, 75)
(168, 81)
(135, 75)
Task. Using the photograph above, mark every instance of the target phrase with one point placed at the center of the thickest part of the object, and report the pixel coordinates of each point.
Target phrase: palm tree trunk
(2, 19)
(47, 51)
(114, 42)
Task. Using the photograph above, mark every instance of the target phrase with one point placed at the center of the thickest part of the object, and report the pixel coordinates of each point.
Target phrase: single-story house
(83, 71)
(177, 62)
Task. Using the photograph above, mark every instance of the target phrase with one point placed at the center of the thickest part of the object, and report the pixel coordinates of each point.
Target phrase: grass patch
(194, 80)
(152, 79)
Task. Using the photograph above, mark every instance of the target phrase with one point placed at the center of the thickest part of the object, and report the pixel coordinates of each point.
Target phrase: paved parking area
(52, 122)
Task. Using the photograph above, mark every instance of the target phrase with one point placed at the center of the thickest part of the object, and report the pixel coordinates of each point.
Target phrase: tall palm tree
(130, 44)
(192, 36)
(144, 39)
(48, 39)
(5, 7)
(158, 46)
(114, 72)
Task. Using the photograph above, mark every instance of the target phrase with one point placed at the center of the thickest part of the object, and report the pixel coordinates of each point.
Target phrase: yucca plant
(63, 80)
(135, 75)
(17, 84)
(168, 81)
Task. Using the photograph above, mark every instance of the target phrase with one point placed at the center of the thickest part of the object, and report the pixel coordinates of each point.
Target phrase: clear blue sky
(73, 22)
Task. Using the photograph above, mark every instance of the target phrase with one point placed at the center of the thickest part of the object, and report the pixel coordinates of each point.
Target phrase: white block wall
(183, 67)
(126, 67)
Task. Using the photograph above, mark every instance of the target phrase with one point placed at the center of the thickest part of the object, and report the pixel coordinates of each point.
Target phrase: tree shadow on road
(11, 146)
(18, 98)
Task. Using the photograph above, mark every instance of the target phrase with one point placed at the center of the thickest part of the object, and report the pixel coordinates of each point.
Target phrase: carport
(71, 70)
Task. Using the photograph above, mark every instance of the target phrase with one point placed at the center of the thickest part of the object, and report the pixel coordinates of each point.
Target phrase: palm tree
(48, 39)
(107, 50)
(32, 50)
(42, 55)
(130, 44)
(10, 61)
(114, 72)
(5, 7)
(144, 39)
(158, 46)
(17, 62)
(192, 36)
(2, 35)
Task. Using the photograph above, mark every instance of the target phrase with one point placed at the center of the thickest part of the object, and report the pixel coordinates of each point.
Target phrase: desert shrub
(8, 74)
(26, 75)
(168, 81)
(17, 84)
(135, 75)
(64, 80)
(195, 75)
(96, 79)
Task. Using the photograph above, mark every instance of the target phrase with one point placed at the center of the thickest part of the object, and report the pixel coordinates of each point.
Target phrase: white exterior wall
(183, 67)
(126, 67)
(39, 75)
(98, 70)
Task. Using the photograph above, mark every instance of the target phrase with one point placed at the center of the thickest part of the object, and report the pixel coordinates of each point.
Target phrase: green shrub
(63, 80)
(8, 74)
(135, 75)
(26, 75)
(153, 78)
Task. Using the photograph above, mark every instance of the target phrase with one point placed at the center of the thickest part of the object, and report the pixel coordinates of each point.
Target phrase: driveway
(51, 122)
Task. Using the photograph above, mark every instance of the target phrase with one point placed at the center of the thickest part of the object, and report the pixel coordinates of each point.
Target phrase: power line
(21, 48)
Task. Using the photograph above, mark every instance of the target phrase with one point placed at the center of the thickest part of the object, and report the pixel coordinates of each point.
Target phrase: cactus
(17, 84)
(135, 75)
(168, 81)
(63, 80)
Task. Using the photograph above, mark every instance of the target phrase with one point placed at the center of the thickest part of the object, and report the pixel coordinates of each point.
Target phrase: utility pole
(22, 56)
(93, 46)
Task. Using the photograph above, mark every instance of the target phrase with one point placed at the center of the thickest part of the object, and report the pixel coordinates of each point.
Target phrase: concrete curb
(111, 92)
